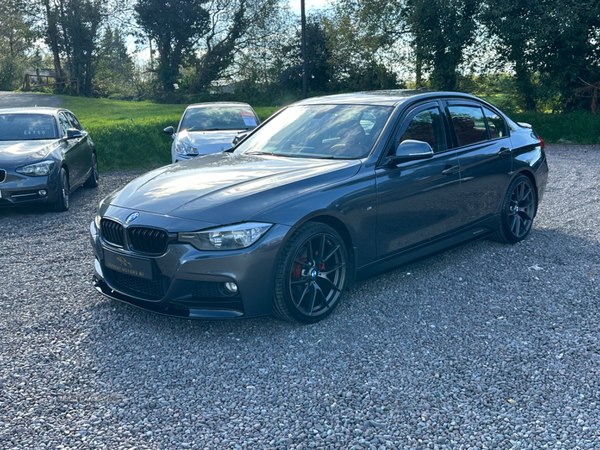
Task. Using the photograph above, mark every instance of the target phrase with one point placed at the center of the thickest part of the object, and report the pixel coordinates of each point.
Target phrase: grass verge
(129, 135)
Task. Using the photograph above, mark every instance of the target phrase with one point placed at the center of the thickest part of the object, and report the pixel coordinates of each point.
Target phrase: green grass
(129, 135)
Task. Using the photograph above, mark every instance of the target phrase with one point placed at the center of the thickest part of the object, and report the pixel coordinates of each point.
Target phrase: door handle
(504, 152)
(449, 170)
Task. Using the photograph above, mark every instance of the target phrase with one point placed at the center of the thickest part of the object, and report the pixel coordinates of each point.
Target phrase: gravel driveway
(487, 346)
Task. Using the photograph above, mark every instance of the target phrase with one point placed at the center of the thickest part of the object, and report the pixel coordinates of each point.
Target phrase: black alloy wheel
(62, 200)
(518, 211)
(92, 180)
(311, 275)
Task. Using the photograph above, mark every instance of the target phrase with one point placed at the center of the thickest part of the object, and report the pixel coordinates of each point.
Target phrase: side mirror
(170, 131)
(239, 137)
(74, 133)
(411, 150)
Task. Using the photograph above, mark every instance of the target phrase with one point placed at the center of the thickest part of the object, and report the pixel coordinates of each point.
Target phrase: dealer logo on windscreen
(132, 217)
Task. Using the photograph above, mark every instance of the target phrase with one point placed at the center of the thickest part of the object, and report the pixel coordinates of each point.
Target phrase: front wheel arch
(311, 273)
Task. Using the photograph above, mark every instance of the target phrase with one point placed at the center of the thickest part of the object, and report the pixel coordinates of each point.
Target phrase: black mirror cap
(74, 133)
(169, 130)
(239, 137)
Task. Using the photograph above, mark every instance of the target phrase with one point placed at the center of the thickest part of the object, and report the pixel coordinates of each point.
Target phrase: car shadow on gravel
(466, 282)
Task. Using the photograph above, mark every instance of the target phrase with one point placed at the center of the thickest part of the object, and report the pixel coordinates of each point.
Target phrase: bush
(578, 127)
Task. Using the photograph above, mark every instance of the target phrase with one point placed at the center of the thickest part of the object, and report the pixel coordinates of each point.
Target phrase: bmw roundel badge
(131, 217)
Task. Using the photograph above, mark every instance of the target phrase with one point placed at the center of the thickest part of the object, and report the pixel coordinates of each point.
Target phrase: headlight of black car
(39, 169)
(230, 237)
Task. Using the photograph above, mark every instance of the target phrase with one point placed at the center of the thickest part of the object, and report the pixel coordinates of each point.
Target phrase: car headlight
(36, 170)
(231, 237)
(185, 149)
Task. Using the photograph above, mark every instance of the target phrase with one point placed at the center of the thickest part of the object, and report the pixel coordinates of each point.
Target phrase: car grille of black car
(150, 288)
(141, 239)
(147, 240)
(2, 175)
(112, 232)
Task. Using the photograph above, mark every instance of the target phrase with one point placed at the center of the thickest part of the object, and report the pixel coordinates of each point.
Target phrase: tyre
(62, 200)
(92, 180)
(518, 210)
(311, 274)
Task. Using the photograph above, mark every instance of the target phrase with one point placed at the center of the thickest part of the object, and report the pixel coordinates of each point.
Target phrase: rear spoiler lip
(524, 125)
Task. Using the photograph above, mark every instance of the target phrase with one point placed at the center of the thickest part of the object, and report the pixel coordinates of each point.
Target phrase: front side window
(64, 123)
(320, 131)
(496, 124)
(469, 124)
(19, 127)
(426, 126)
(213, 118)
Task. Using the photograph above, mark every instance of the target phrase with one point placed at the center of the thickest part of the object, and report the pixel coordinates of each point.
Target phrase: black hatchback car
(45, 154)
(327, 191)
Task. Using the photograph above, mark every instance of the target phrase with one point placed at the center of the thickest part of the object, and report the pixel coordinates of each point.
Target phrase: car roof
(202, 105)
(392, 97)
(34, 110)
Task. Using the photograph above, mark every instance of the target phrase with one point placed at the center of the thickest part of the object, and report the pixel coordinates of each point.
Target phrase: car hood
(209, 141)
(25, 152)
(225, 188)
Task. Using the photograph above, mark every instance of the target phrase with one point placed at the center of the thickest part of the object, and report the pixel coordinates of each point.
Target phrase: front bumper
(190, 283)
(17, 189)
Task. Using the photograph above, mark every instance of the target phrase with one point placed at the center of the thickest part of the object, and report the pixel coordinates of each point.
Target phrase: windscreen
(320, 131)
(210, 118)
(19, 127)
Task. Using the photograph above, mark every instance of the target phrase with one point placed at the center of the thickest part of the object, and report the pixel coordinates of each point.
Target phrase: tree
(113, 69)
(441, 30)
(235, 25)
(15, 39)
(175, 26)
(514, 25)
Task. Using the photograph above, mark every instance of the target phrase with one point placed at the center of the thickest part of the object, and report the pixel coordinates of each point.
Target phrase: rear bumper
(190, 283)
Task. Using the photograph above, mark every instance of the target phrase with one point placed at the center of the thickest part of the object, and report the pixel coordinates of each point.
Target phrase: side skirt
(423, 251)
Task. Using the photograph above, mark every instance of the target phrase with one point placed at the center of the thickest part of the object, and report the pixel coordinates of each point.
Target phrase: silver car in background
(210, 128)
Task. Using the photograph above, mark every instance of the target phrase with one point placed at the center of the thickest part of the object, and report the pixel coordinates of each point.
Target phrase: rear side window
(469, 124)
(73, 121)
(496, 124)
(426, 126)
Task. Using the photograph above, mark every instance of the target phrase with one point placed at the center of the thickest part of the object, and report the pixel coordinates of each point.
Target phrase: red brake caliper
(297, 272)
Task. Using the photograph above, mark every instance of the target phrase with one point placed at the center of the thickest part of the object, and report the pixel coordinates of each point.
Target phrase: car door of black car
(418, 201)
(484, 149)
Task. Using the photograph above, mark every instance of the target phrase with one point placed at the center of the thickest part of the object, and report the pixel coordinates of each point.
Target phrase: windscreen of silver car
(218, 118)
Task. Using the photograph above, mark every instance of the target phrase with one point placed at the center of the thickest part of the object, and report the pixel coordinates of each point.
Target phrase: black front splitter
(167, 310)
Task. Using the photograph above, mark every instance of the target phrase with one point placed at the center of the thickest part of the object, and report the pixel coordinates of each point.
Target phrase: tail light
(542, 143)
